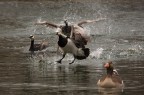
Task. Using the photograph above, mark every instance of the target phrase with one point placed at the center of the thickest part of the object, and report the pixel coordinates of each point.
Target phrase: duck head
(66, 23)
(31, 37)
(109, 67)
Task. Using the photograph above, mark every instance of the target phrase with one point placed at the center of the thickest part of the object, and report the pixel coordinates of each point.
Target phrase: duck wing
(37, 47)
(117, 79)
(48, 24)
(79, 36)
(43, 45)
(90, 21)
(79, 41)
(85, 21)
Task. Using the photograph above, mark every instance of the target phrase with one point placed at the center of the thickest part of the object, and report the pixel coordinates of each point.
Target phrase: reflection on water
(118, 38)
(110, 91)
(57, 79)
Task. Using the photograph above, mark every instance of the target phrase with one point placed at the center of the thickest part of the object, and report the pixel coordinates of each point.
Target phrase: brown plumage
(112, 79)
(37, 47)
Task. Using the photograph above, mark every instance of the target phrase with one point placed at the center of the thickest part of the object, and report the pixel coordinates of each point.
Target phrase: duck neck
(66, 26)
(32, 44)
(109, 71)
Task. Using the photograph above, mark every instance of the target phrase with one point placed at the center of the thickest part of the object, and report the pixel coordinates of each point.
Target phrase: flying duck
(37, 47)
(68, 45)
(112, 79)
(71, 30)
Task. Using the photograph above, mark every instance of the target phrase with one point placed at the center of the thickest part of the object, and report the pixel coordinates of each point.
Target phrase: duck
(74, 31)
(67, 45)
(112, 79)
(37, 47)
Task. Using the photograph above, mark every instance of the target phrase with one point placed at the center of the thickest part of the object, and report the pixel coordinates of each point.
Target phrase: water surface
(119, 38)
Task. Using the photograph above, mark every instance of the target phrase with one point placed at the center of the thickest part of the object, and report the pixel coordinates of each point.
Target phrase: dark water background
(119, 38)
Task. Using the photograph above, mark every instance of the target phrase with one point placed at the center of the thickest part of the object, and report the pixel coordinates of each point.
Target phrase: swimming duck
(112, 79)
(37, 47)
(67, 45)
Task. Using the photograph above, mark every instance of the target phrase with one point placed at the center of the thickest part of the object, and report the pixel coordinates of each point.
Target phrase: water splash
(97, 54)
(138, 49)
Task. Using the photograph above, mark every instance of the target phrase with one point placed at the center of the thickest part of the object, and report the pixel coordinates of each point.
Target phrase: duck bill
(106, 65)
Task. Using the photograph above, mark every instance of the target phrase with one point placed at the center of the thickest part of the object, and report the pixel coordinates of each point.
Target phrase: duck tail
(85, 53)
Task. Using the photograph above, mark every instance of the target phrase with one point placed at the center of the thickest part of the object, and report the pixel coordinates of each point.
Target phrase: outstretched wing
(90, 21)
(85, 21)
(48, 24)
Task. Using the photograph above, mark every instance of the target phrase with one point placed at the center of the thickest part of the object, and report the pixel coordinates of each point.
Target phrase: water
(119, 38)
